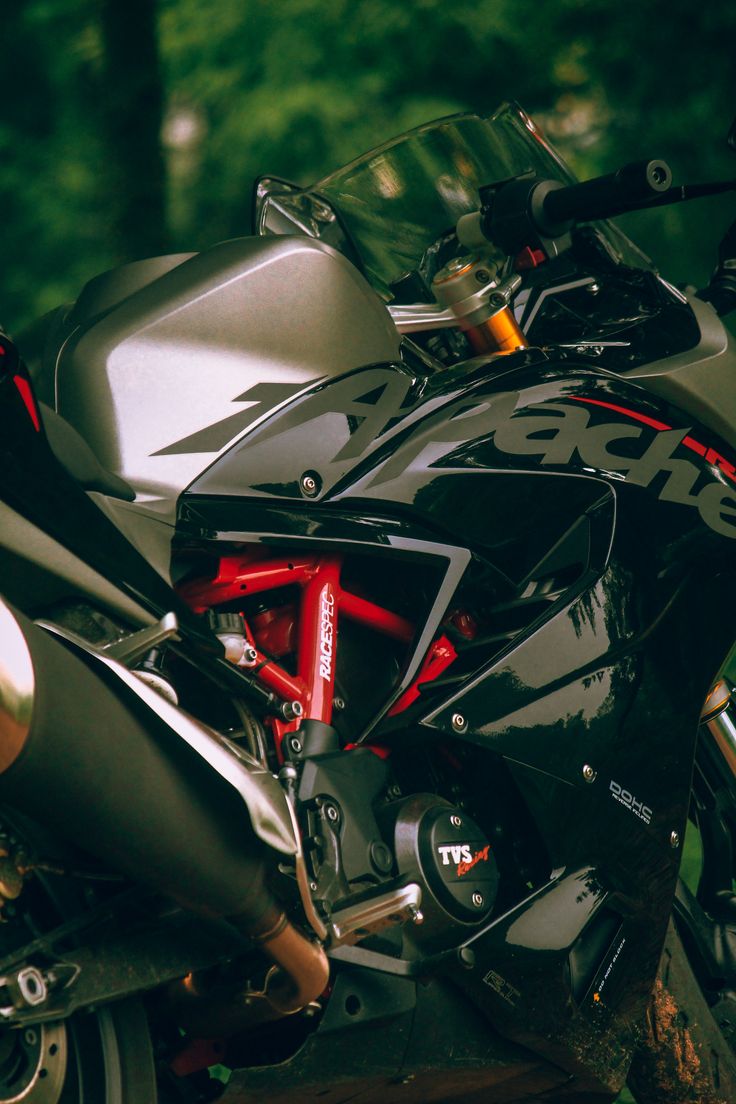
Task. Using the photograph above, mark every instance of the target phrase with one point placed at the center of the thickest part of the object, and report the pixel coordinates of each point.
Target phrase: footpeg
(350, 925)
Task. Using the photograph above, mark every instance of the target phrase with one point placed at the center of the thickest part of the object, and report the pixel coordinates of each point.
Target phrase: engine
(377, 859)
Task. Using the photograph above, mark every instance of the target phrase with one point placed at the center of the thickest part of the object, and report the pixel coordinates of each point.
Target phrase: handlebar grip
(603, 196)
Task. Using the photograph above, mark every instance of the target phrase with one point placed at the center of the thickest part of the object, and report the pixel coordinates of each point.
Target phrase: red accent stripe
(623, 410)
(696, 446)
(721, 463)
(710, 455)
(29, 402)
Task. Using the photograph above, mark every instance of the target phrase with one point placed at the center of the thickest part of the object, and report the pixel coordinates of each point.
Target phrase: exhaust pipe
(89, 750)
(211, 1009)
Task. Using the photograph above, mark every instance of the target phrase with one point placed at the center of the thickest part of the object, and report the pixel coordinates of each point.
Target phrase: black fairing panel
(632, 312)
(537, 466)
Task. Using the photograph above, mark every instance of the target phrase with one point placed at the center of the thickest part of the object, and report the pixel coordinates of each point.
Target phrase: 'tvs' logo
(455, 853)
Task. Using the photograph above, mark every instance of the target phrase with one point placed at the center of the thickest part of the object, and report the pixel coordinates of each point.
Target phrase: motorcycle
(367, 585)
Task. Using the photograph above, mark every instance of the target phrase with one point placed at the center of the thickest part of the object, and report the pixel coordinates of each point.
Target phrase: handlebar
(526, 208)
(604, 196)
(526, 211)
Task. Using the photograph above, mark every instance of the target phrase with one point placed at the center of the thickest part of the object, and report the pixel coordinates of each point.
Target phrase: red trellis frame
(323, 600)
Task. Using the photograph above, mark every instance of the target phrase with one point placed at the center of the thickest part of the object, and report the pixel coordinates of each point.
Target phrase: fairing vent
(505, 612)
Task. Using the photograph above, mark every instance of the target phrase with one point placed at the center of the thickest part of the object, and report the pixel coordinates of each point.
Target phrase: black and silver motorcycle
(367, 584)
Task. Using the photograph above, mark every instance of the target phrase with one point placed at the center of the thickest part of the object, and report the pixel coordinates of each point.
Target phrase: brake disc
(33, 1064)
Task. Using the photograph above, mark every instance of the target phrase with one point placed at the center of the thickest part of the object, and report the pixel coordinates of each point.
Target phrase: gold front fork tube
(721, 723)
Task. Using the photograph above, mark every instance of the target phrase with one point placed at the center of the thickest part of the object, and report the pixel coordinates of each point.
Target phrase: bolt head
(338, 703)
(589, 773)
(477, 900)
(288, 773)
(309, 484)
(458, 722)
(467, 957)
(32, 985)
(331, 813)
(455, 821)
(417, 916)
(674, 839)
(295, 744)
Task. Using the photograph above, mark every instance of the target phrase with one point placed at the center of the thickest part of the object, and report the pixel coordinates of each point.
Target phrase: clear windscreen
(397, 200)
(386, 208)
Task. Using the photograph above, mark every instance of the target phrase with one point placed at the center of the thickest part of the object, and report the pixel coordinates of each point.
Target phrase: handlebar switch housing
(512, 216)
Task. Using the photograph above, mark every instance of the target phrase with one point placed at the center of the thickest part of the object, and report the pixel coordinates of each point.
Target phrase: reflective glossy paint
(544, 469)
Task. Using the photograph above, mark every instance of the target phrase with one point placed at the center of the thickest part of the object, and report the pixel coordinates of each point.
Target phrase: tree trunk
(132, 112)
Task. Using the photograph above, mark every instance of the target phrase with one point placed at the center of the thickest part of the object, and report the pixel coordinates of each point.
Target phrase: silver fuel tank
(163, 380)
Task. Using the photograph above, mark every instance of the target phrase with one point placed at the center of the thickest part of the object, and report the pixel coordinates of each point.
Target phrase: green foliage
(664, 77)
(52, 209)
(300, 87)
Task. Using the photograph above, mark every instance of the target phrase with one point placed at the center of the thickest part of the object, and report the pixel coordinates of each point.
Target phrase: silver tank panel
(169, 378)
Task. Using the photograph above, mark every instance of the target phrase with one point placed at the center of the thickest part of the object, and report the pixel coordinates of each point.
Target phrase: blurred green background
(134, 127)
